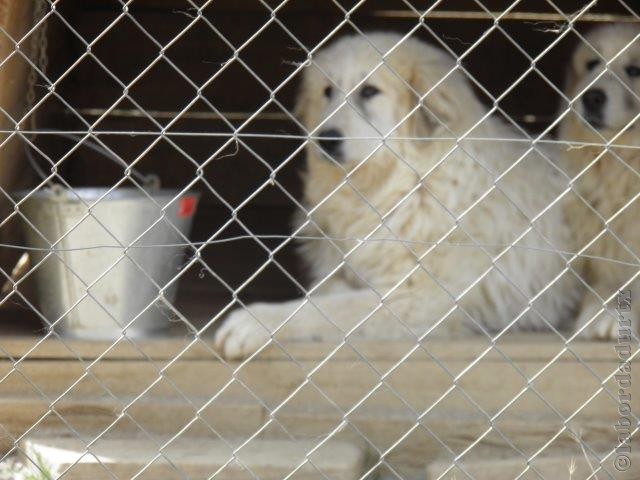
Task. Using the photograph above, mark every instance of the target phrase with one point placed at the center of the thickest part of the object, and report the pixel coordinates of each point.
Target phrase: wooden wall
(123, 47)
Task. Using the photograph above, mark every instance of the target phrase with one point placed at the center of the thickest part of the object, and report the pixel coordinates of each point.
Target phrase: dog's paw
(241, 334)
(603, 327)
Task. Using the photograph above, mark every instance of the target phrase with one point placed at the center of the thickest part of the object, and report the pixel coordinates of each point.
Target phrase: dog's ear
(447, 101)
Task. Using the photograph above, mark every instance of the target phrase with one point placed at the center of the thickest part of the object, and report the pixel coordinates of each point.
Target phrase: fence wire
(69, 284)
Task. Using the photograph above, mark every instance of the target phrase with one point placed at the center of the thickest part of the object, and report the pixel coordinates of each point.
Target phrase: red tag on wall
(187, 207)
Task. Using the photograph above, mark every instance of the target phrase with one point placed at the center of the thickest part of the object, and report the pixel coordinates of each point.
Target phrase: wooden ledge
(528, 347)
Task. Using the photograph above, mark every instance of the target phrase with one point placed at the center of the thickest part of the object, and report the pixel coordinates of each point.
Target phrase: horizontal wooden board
(162, 418)
(377, 393)
(519, 347)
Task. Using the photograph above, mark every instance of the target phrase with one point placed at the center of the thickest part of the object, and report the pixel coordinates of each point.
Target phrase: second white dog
(604, 83)
(431, 217)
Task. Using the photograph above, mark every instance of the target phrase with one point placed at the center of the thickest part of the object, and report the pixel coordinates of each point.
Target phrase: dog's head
(604, 79)
(361, 97)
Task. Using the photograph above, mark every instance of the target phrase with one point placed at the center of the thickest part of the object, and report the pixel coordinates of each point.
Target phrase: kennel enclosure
(201, 94)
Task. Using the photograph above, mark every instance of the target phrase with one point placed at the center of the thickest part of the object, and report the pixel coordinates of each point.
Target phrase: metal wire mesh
(393, 395)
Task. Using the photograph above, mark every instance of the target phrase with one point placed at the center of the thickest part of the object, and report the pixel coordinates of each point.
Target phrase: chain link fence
(266, 240)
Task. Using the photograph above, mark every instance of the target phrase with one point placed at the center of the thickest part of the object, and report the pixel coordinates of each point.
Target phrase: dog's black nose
(594, 100)
(330, 141)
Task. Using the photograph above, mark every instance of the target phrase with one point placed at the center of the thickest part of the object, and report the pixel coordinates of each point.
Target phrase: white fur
(398, 283)
(608, 185)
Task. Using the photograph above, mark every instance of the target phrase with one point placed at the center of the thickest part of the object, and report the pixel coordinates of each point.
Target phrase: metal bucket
(117, 253)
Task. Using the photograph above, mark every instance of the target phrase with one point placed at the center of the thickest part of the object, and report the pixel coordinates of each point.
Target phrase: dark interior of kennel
(124, 47)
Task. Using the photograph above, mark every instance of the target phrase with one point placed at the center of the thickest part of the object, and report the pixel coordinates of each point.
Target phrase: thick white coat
(604, 209)
(436, 218)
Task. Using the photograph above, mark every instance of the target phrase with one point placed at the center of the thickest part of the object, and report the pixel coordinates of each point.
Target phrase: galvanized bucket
(115, 255)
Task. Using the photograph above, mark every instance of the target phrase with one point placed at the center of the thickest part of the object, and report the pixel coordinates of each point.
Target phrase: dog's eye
(369, 91)
(591, 64)
(633, 70)
(328, 91)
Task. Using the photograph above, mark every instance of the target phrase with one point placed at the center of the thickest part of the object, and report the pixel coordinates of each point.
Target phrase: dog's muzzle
(331, 141)
(594, 101)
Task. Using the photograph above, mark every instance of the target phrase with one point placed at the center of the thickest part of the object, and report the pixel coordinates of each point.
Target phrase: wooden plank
(320, 6)
(163, 418)
(527, 347)
(418, 404)
(412, 444)
(489, 389)
(379, 428)
(491, 385)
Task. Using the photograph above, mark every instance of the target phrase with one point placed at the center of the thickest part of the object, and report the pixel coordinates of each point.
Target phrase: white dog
(604, 83)
(420, 231)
